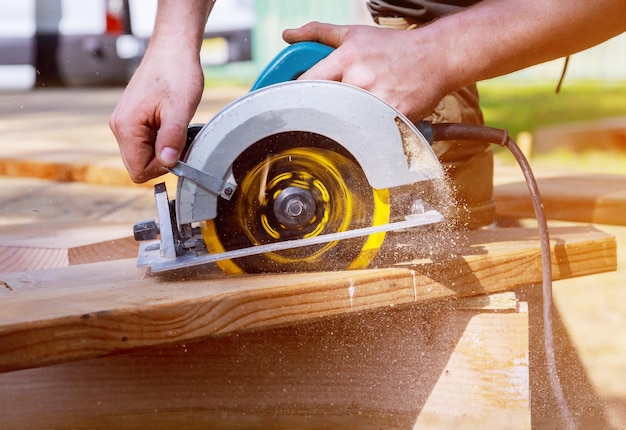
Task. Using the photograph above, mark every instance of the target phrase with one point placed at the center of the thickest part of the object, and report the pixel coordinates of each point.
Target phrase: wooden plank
(93, 310)
(494, 302)
(584, 198)
(608, 134)
(61, 234)
(18, 259)
(426, 367)
(62, 243)
(94, 172)
(42, 203)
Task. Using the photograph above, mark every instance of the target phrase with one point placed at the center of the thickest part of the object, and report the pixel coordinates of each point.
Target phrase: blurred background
(99, 42)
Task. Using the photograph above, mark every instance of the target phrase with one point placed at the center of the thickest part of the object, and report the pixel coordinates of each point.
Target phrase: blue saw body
(290, 63)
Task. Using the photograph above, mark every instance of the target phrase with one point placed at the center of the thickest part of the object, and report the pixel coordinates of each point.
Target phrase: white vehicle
(100, 42)
(17, 44)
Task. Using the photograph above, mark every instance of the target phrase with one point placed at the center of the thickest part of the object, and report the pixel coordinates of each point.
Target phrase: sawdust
(417, 151)
(435, 242)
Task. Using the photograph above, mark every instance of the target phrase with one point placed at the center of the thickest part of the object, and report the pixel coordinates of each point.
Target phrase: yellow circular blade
(326, 193)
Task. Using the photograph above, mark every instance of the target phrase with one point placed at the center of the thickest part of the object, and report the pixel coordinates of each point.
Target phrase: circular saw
(294, 176)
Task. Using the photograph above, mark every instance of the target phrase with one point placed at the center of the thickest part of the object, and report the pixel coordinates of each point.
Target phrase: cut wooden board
(427, 367)
(93, 310)
(586, 198)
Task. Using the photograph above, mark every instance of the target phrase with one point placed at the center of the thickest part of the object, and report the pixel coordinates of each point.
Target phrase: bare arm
(502, 36)
(150, 121)
(413, 70)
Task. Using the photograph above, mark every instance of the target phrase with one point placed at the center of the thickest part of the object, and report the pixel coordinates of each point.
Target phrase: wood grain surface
(52, 244)
(394, 368)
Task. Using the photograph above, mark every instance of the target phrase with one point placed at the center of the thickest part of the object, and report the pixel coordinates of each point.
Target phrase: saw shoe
(468, 165)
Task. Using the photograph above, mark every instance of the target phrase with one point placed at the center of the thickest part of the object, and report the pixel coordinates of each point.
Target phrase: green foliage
(525, 107)
(519, 107)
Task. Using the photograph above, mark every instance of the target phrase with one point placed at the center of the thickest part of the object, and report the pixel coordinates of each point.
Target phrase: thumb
(328, 34)
(169, 144)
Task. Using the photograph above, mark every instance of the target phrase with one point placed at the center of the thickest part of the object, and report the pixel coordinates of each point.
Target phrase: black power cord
(471, 132)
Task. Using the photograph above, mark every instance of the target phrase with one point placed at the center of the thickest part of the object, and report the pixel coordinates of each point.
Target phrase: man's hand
(150, 121)
(384, 62)
(412, 70)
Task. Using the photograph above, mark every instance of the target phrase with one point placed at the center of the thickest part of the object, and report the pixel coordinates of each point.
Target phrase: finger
(136, 148)
(138, 156)
(169, 143)
(328, 34)
(327, 69)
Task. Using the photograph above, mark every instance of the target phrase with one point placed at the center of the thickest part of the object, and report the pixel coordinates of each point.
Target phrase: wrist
(455, 62)
(435, 64)
(180, 25)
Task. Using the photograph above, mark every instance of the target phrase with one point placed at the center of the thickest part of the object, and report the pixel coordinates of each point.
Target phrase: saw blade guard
(386, 146)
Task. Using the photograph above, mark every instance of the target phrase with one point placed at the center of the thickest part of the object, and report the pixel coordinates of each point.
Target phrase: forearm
(497, 37)
(180, 24)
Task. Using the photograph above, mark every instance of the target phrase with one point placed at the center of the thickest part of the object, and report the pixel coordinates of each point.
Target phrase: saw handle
(291, 62)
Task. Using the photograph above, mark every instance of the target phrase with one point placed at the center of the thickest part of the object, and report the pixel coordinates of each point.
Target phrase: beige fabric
(396, 23)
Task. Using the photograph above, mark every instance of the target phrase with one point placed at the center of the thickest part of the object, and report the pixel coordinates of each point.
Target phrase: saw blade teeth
(263, 180)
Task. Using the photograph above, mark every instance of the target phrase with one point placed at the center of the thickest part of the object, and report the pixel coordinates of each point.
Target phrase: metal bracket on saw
(224, 189)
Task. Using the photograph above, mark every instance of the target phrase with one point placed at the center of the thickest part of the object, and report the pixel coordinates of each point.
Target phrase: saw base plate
(150, 254)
